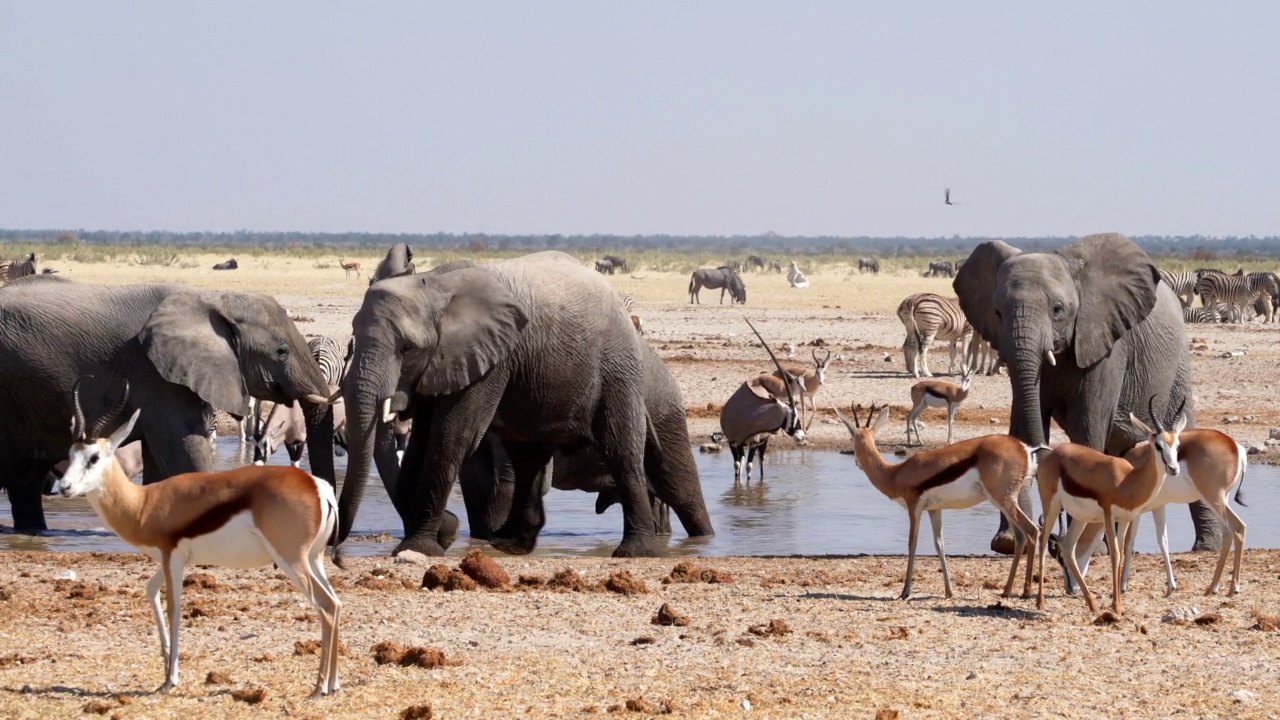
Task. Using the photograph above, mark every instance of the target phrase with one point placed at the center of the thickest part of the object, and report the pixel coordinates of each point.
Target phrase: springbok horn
(851, 427)
(785, 375)
(77, 420)
(1181, 407)
(101, 425)
(1152, 411)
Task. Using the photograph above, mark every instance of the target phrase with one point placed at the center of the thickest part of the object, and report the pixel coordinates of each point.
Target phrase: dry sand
(75, 648)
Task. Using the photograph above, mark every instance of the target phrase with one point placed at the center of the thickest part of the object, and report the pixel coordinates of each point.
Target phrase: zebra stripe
(332, 358)
(1200, 315)
(928, 317)
(629, 306)
(12, 270)
(1236, 291)
(1183, 283)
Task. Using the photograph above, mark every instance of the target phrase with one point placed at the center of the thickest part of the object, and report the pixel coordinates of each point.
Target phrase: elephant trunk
(363, 393)
(1026, 422)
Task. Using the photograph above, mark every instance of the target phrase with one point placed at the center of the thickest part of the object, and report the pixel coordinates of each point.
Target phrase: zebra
(1200, 315)
(12, 270)
(1183, 284)
(629, 307)
(926, 317)
(869, 264)
(1236, 291)
(724, 278)
(332, 358)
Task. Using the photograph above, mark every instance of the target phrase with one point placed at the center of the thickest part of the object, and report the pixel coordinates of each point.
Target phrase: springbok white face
(1164, 442)
(820, 367)
(966, 379)
(88, 461)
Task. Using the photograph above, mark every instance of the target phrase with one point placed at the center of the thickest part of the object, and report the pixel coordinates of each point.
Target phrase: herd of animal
(541, 365)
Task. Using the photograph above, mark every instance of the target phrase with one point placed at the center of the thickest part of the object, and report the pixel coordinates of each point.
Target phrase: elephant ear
(975, 286)
(478, 322)
(1117, 291)
(191, 341)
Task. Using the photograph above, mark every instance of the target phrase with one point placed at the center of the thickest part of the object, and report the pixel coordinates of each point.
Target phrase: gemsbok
(242, 518)
(1097, 488)
(991, 467)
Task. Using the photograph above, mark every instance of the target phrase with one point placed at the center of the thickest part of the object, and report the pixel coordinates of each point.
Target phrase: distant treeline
(1183, 245)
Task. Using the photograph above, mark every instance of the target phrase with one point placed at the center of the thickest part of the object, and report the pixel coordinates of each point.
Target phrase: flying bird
(947, 197)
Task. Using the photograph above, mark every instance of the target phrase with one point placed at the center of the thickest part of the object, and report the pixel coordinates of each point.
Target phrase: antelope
(350, 267)
(991, 467)
(1211, 464)
(812, 379)
(938, 393)
(247, 517)
(1098, 488)
(756, 411)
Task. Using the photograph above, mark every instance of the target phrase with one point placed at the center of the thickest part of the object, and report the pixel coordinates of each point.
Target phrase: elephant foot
(515, 540)
(643, 546)
(426, 546)
(448, 531)
(1207, 544)
(1003, 543)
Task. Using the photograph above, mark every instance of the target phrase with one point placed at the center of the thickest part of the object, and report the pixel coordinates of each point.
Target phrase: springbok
(1211, 463)
(350, 267)
(1098, 488)
(938, 393)
(812, 380)
(991, 467)
(247, 517)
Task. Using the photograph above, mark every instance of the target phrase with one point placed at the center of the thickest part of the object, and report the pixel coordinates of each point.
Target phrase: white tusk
(1048, 355)
(387, 415)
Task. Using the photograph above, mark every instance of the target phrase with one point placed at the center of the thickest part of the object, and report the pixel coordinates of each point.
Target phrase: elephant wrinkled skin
(537, 349)
(1088, 334)
(183, 351)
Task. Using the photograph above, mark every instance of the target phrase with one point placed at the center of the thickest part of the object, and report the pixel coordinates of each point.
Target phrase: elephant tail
(1242, 460)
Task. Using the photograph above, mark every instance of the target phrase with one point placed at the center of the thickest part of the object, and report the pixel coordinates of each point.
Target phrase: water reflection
(810, 503)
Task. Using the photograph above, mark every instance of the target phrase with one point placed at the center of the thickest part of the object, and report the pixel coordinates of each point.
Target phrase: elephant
(536, 349)
(1089, 335)
(488, 481)
(399, 261)
(184, 353)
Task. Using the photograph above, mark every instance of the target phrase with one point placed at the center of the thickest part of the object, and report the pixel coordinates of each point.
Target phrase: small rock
(1256, 449)
(1274, 433)
(1271, 442)
(1181, 615)
(973, 675)
(709, 448)
(411, 557)
(1242, 696)
(67, 575)
(993, 421)
(746, 704)
(1231, 419)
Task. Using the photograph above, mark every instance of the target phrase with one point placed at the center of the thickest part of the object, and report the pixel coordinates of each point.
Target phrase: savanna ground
(83, 646)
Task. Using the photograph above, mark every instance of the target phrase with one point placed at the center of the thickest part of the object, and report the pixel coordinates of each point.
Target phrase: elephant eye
(1057, 310)
(406, 348)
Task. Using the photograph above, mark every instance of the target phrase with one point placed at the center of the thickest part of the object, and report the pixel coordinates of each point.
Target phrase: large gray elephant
(530, 348)
(1088, 334)
(183, 351)
(488, 480)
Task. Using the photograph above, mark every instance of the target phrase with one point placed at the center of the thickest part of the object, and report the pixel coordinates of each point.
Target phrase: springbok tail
(1243, 461)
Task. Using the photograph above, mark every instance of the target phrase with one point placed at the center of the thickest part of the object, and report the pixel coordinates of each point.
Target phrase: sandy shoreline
(75, 648)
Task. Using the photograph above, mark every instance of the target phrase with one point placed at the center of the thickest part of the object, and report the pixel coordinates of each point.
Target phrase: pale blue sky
(803, 118)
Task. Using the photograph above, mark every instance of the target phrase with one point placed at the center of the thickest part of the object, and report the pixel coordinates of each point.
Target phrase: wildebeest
(869, 264)
(755, 262)
(940, 268)
(228, 265)
(724, 278)
(604, 266)
(776, 265)
(619, 263)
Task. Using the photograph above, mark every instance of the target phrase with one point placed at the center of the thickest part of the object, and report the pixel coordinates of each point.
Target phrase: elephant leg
(661, 516)
(519, 534)
(488, 485)
(25, 488)
(1209, 528)
(673, 478)
(455, 428)
(622, 449)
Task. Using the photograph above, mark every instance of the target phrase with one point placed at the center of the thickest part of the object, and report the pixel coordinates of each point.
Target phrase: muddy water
(811, 503)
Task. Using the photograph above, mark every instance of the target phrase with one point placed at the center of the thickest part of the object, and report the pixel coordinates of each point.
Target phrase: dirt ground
(787, 638)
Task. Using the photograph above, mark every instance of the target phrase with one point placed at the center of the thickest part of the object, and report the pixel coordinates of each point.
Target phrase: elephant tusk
(316, 399)
(1048, 355)
(387, 415)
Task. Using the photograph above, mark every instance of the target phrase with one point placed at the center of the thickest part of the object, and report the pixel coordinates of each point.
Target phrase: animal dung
(667, 615)
(443, 578)
(252, 696)
(687, 572)
(389, 652)
(417, 712)
(624, 583)
(773, 628)
(484, 570)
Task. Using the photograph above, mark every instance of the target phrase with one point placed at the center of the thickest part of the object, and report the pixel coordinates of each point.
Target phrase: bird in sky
(947, 197)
